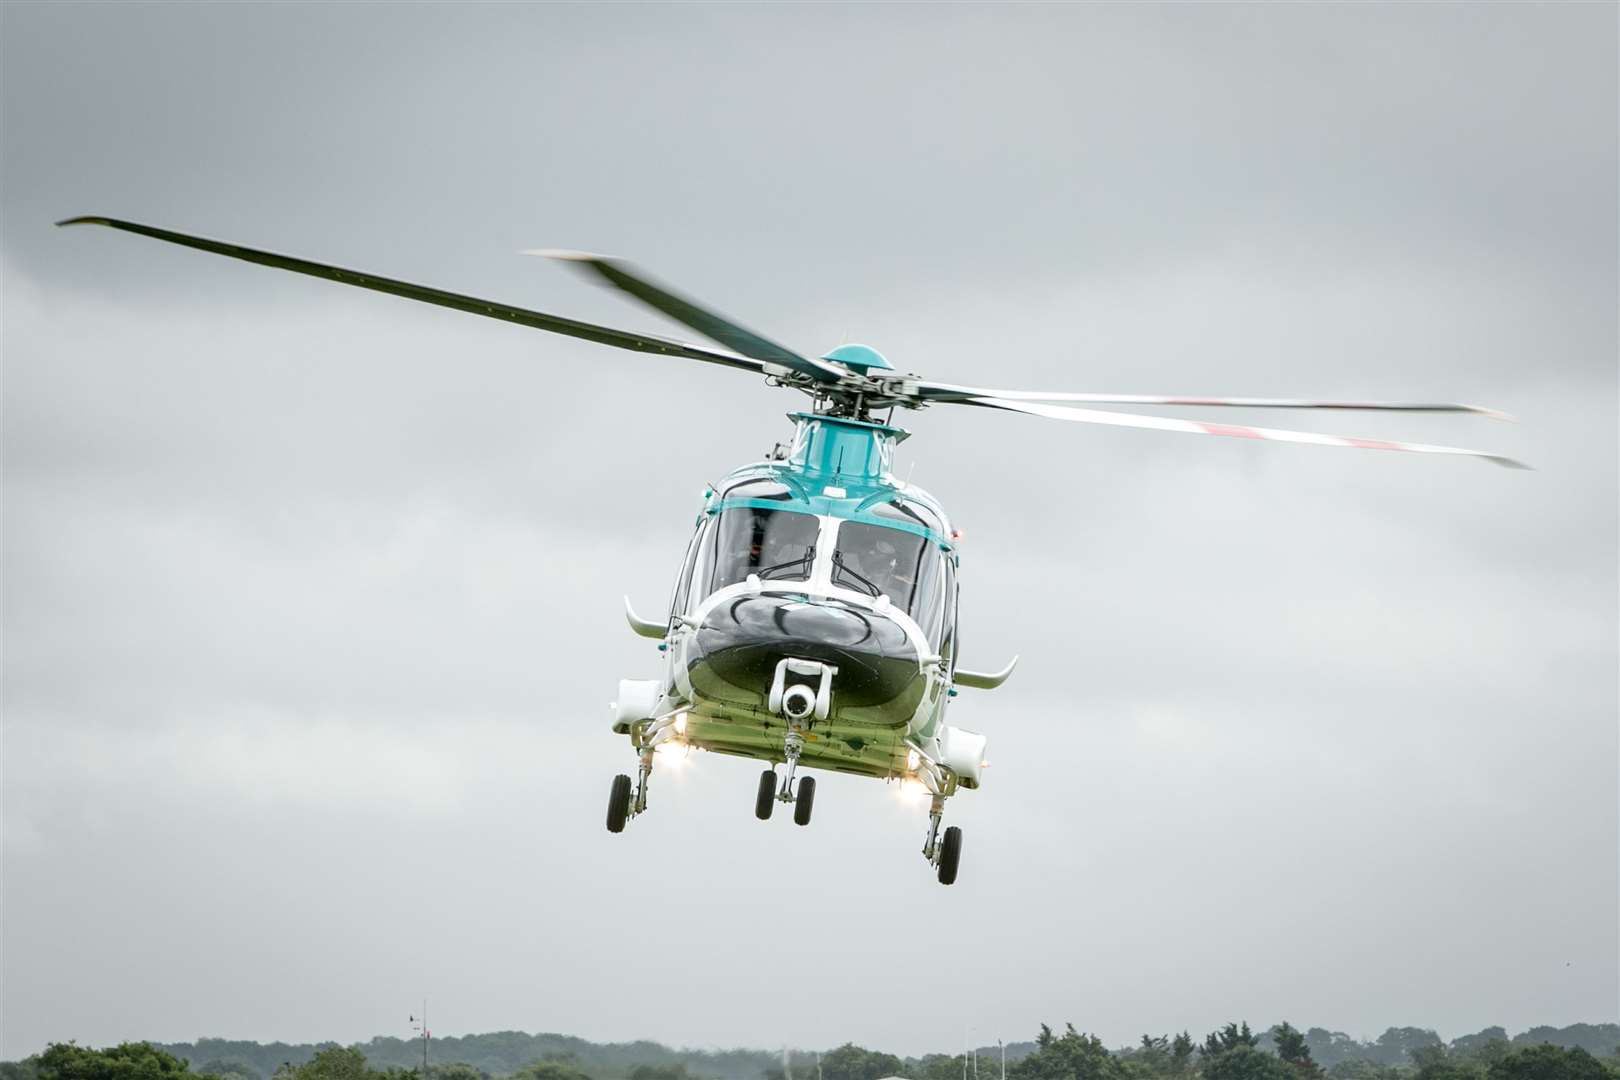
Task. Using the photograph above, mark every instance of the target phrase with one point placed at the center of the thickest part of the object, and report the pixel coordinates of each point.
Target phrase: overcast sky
(312, 596)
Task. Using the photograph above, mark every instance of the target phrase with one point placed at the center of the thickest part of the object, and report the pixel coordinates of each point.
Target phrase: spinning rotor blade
(621, 275)
(931, 391)
(623, 339)
(1197, 427)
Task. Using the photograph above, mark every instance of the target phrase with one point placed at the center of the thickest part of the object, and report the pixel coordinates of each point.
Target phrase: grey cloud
(311, 596)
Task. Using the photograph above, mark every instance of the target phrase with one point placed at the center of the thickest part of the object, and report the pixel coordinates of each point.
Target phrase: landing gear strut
(942, 852)
(628, 799)
(792, 746)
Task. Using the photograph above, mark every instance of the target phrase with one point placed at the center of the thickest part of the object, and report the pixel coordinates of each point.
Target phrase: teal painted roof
(858, 358)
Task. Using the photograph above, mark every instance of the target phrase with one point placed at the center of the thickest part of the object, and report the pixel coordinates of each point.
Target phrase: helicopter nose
(741, 642)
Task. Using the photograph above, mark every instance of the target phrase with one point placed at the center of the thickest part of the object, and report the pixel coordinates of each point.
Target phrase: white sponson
(962, 752)
(637, 700)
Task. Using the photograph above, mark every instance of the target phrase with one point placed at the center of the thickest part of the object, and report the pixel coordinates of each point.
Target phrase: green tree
(1181, 1053)
(1152, 1054)
(1246, 1061)
(1293, 1048)
(229, 1069)
(1395, 1045)
(1229, 1038)
(341, 1063)
(1070, 1056)
(851, 1062)
(659, 1072)
(126, 1061)
(1437, 1063)
(550, 1070)
(456, 1070)
(1361, 1069)
(329, 1063)
(1159, 1057)
(1548, 1062)
(1233, 1053)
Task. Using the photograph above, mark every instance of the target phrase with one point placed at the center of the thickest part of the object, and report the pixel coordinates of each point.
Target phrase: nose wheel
(805, 801)
(770, 792)
(765, 798)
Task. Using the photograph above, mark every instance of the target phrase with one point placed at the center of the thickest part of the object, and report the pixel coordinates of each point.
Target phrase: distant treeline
(1576, 1052)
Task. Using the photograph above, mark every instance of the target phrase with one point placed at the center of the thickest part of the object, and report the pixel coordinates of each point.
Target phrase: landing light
(912, 790)
(913, 759)
(680, 723)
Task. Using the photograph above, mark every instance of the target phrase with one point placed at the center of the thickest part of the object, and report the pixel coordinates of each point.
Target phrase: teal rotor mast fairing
(814, 620)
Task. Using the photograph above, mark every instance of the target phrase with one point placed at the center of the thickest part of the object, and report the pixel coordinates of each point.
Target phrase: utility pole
(422, 1024)
(1003, 1048)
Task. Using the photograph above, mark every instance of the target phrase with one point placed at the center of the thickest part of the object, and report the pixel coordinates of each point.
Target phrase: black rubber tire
(950, 855)
(619, 803)
(765, 799)
(805, 801)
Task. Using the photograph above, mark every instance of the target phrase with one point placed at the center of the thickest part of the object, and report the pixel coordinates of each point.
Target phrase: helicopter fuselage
(815, 570)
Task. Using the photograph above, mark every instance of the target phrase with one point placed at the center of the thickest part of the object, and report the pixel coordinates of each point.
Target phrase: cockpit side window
(683, 584)
(905, 567)
(948, 644)
(777, 545)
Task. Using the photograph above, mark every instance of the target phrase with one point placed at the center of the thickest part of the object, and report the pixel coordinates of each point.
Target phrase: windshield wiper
(843, 568)
(803, 562)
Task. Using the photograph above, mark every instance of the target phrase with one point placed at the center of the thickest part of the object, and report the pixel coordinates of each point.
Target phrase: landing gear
(618, 803)
(773, 790)
(765, 799)
(792, 747)
(805, 801)
(643, 774)
(943, 853)
(950, 855)
(628, 798)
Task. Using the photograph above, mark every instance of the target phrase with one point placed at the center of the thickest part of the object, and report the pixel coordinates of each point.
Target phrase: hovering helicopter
(814, 618)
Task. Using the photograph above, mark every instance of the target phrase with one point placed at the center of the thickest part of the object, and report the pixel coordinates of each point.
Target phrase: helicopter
(814, 619)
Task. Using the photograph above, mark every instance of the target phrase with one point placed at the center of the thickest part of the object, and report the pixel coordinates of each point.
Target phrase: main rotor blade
(1198, 427)
(932, 391)
(711, 324)
(623, 339)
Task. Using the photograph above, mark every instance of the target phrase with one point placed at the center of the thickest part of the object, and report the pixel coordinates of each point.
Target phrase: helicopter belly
(834, 745)
(732, 657)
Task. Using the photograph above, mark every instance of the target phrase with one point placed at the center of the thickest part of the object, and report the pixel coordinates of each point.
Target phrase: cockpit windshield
(880, 561)
(777, 545)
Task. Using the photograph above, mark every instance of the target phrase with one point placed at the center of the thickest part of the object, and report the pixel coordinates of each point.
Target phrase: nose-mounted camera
(801, 690)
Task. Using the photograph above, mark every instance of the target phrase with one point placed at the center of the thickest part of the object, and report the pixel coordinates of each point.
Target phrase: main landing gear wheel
(805, 802)
(618, 803)
(765, 800)
(950, 855)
